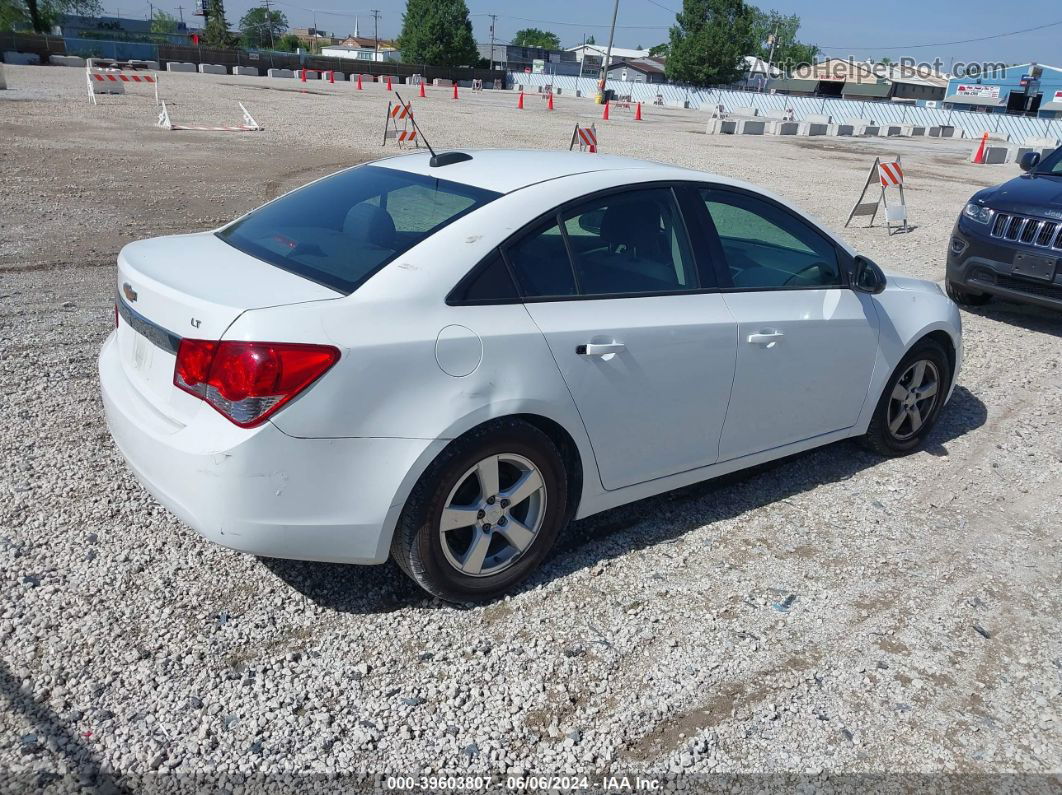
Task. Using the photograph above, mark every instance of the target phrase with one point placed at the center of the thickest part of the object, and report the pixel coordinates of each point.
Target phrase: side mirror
(867, 277)
(1029, 161)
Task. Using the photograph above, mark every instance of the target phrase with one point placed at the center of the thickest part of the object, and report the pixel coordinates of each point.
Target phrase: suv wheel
(485, 514)
(965, 297)
(911, 402)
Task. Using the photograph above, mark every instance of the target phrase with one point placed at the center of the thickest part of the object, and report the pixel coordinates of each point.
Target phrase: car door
(645, 345)
(806, 342)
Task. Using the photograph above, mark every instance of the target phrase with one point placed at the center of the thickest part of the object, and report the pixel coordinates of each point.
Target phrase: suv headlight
(977, 212)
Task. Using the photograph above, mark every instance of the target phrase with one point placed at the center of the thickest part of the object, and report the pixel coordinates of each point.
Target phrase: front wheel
(911, 402)
(965, 297)
(485, 514)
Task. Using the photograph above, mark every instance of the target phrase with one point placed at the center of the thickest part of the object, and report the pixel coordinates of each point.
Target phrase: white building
(591, 56)
(361, 52)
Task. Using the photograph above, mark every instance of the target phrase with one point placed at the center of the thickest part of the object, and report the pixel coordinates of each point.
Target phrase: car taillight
(247, 382)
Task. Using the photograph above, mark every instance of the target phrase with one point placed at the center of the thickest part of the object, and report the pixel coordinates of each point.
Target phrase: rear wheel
(965, 297)
(485, 514)
(911, 402)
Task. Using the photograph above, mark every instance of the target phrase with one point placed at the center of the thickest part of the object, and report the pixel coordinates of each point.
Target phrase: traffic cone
(980, 156)
(359, 81)
(520, 102)
(455, 90)
(389, 82)
(304, 74)
(604, 116)
(638, 112)
(422, 89)
(549, 104)
(331, 75)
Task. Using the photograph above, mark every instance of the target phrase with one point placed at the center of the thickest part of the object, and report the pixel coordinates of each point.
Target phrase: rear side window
(489, 283)
(540, 262)
(340, 230)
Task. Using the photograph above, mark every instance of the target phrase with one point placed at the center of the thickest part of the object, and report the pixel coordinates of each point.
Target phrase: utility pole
(151, 11)
(600, 98)
(269, 23)
(493, 17)
(376, 33)
(180, 10)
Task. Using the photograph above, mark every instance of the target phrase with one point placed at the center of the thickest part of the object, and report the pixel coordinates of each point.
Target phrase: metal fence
(44, 46)
(883, 112)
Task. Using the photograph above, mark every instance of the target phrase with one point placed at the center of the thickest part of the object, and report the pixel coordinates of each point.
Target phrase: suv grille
(1031, 231)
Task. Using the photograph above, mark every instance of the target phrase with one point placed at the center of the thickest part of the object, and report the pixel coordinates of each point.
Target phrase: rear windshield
(340, 230)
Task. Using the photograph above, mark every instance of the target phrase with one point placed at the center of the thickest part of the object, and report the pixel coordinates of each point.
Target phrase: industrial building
(1028, 89)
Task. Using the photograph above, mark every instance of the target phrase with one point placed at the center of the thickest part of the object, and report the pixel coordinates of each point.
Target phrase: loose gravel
(832, 614)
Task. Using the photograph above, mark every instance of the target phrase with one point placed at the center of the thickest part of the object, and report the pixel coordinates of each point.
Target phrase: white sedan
(445, 360)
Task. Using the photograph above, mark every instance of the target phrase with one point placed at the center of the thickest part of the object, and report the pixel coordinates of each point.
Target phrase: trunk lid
(190, 286)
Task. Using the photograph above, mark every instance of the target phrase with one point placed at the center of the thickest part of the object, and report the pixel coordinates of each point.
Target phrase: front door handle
(767, 339)
(599, 348)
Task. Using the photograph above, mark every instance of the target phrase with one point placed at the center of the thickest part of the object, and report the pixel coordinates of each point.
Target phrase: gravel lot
(832, 614)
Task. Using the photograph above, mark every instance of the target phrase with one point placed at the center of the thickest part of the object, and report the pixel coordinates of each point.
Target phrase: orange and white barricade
(249, 124)
(586, 137)
(113, 80)
(407, 133)
(888, 174)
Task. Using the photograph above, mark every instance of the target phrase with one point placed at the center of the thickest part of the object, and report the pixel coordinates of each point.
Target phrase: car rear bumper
(981, 264)
(260, 490)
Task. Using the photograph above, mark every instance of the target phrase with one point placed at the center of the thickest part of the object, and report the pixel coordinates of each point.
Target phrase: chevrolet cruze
(445, 359)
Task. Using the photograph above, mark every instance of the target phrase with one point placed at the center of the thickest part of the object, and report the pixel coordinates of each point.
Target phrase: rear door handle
(599, 348)
(767, 339)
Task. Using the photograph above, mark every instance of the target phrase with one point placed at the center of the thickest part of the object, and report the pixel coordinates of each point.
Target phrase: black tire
(417, 546)
(879, 437)
(965, 297)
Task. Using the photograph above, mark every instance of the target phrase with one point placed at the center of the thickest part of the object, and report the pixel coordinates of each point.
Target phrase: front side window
(768, 247)
(340, 230)
(1052, 164)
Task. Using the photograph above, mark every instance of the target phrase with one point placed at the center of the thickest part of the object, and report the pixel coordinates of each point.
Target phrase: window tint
(488, 282)
(630, 243)
(767, 247)
(540, 262)
(340, 230)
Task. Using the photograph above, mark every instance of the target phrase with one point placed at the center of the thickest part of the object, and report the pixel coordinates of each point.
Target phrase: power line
(576, 24)
(946, 43)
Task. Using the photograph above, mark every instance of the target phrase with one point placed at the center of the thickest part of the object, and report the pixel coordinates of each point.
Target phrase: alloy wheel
(913, 399)
(492, 515)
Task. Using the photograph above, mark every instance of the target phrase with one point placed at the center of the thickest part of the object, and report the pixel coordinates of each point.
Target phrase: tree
(161, 22)
(533, 37)
(659, 50)
(437, 32)
(216, 30)
(41, 15)
(260, 27)
(289, 42)
(710, 40)
(776, 40)
(590, 39)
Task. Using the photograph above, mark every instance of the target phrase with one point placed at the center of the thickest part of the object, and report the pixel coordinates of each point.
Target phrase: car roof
(506, 170)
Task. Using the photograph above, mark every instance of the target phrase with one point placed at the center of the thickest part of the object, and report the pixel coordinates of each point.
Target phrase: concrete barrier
(745, 112)
(444, 83)
(66, 60)
(339, 77)
(894, 130)
(1041, 143)
(721, 127)
(995, 155)
(871, 130)
(180, 66)
(311, 74)
(818, 118)
(784, 128)
(814, 128)
(211, 69)
(918, 131)
(280, 73)
(3, 80)
(751, 127)
(248, 71)
(844, 129)
(21, 58)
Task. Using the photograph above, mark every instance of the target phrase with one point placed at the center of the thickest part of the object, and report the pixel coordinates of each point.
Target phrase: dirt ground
(924, 638)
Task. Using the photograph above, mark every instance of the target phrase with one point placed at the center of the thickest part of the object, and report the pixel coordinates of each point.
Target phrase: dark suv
(1008, 239)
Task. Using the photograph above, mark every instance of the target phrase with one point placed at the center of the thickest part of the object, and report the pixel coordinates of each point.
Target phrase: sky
(921, 29)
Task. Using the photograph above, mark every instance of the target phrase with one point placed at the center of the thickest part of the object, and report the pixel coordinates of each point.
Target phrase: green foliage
(41, 15)
(289, 42)
(710, 40)
(533, 37)
(660, 50)
(161, 22)
(216, 30)
(788, 52)
(260, 27)
(437, 32)
(590, 39)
